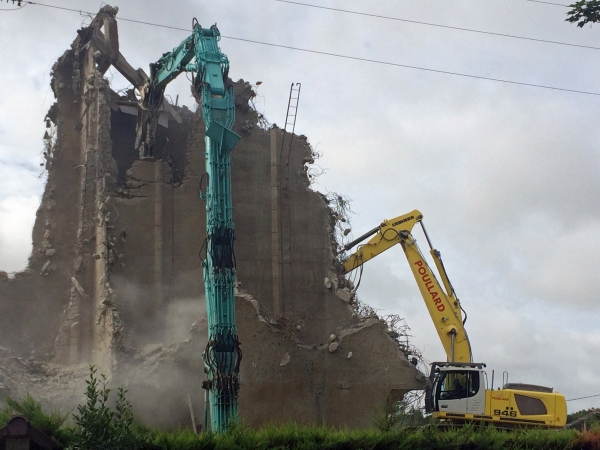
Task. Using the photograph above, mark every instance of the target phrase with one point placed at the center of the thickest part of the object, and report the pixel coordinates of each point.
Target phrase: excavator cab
(456, 388)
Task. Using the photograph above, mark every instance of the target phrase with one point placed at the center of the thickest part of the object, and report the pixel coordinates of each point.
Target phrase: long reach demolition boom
(200, 55)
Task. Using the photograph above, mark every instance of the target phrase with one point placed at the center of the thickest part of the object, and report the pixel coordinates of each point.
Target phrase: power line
(337, 55)
(581, 398)
(120, 18)
(438, 25)
(548, 3)
(387, 63)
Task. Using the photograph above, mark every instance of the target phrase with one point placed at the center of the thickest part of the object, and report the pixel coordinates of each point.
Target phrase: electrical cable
(353, 58)
(406, 66)
(438, 25)
(548, 3)
(581, 398)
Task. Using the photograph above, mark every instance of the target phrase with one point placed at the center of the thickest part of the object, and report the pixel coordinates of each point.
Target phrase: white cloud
(16, 222)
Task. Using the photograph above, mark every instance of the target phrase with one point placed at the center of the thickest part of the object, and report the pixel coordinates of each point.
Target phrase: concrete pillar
(90, 336)
(100, 310)
(275, 231)
(86, 248)
(158, 231)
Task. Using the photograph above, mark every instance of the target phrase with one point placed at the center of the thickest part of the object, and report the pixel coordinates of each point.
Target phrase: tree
(584, 11)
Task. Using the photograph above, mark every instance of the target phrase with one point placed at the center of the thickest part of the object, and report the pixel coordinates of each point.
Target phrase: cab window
(458, 384)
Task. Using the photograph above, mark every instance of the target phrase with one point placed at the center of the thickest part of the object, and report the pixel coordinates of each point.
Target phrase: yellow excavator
(458, 392)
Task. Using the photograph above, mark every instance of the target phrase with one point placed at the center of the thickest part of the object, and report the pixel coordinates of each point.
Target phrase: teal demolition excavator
(200, 55)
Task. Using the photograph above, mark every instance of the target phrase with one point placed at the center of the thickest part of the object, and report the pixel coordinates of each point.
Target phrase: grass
(299, 437)
(292, 436)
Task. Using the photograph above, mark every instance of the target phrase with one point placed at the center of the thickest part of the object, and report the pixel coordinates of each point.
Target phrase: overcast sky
(506, 176)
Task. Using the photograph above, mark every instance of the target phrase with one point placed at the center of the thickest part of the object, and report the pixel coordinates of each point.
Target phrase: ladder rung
(290, 118)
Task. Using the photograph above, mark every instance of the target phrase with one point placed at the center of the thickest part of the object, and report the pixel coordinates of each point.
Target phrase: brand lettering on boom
(426, 277)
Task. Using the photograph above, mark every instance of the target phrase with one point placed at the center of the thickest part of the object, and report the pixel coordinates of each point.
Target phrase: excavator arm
(200, 55)
(442, 304)
(384, 237)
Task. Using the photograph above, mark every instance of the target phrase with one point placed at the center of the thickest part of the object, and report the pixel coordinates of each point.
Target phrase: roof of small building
(19, 427)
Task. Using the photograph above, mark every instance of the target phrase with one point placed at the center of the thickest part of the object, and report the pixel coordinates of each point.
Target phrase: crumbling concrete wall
(66, 277)
(341, 383)
(344, 382)
(116, 280)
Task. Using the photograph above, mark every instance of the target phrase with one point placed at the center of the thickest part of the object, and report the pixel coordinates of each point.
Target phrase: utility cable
(581, 398)
(387, 63)
(438, 25)
(337, 55)
(548, 3)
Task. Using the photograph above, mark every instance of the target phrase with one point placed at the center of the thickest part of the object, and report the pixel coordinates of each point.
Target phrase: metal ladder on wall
(285, 219)
(290, 120)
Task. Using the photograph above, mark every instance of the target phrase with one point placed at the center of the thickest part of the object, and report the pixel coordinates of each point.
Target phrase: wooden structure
(19, 434)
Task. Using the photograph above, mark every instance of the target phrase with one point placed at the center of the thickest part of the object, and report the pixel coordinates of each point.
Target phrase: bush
(99, 427)
(587, 440)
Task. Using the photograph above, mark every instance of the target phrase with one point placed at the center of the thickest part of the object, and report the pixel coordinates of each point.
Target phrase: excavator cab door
(459, 391)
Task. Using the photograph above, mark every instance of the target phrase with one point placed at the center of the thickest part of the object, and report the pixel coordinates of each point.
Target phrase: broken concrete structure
(115, 277)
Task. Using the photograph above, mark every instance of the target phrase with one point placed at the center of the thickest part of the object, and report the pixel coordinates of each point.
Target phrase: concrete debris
(333, 347)
(343, 384)
(56, 387)
(45, 267)
(149, 350)
(345, 294)
(328, 283)
(332, 337)
(77, 286)
(349, 355)
(285, 359)
(247, 127)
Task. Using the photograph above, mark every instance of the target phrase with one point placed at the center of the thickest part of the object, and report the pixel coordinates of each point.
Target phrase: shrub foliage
(97, 426)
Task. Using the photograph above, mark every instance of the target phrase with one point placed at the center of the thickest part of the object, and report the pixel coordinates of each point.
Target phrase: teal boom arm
(200, 55)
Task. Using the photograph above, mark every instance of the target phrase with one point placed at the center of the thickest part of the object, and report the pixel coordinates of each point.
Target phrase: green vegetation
(583, 12)
(591, 417)
(49, 423)
(98, 426)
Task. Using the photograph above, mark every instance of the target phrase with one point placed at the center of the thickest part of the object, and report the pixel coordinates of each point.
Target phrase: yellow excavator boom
(443, 305)
(386, 236)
